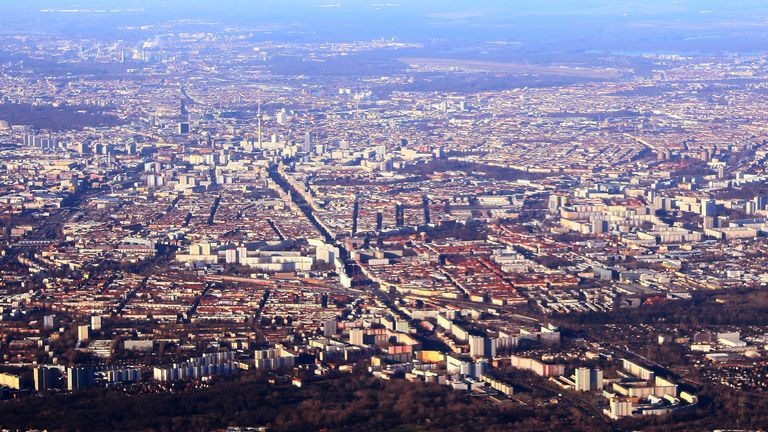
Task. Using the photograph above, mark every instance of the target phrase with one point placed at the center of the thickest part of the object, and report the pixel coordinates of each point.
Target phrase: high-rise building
(231, 256)
(708, 208)
(96, 322)
(356, 337)
(79, 378)
(83, 332)
(402, 326)
(619, 408)
(83, 148)
(11, 380)
(329, 328)
(760, 202)
(45, 378)
(205, 248)
(599, 226)
(456, 365)
(276, 358)
(588, 379)
(49, 321)
(710, 222)
(480, 346)
(242, 254)
(556, 202)
(307, 143)
(123, 375)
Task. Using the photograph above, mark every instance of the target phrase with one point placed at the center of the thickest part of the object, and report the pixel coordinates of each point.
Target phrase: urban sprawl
(187, 211)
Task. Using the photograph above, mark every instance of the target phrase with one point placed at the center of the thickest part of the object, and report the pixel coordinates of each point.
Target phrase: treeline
(480, 170)
(350, 403)
(720, 408)
(738, 307)
(54, 118)
(464, 83)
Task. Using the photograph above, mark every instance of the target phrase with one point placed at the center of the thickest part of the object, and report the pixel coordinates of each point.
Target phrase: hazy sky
(682, 25)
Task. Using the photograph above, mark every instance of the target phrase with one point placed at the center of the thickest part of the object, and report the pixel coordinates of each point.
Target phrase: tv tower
(259, 115)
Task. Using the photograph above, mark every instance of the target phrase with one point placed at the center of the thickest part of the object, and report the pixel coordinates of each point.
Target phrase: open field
(437, 64)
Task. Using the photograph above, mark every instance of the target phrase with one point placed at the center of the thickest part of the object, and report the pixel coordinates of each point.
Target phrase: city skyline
(357, 215)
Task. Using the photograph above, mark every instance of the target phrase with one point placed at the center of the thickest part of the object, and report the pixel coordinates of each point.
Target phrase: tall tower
(355, 214)
(399, 215)
(308, 143)
(259, 115)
